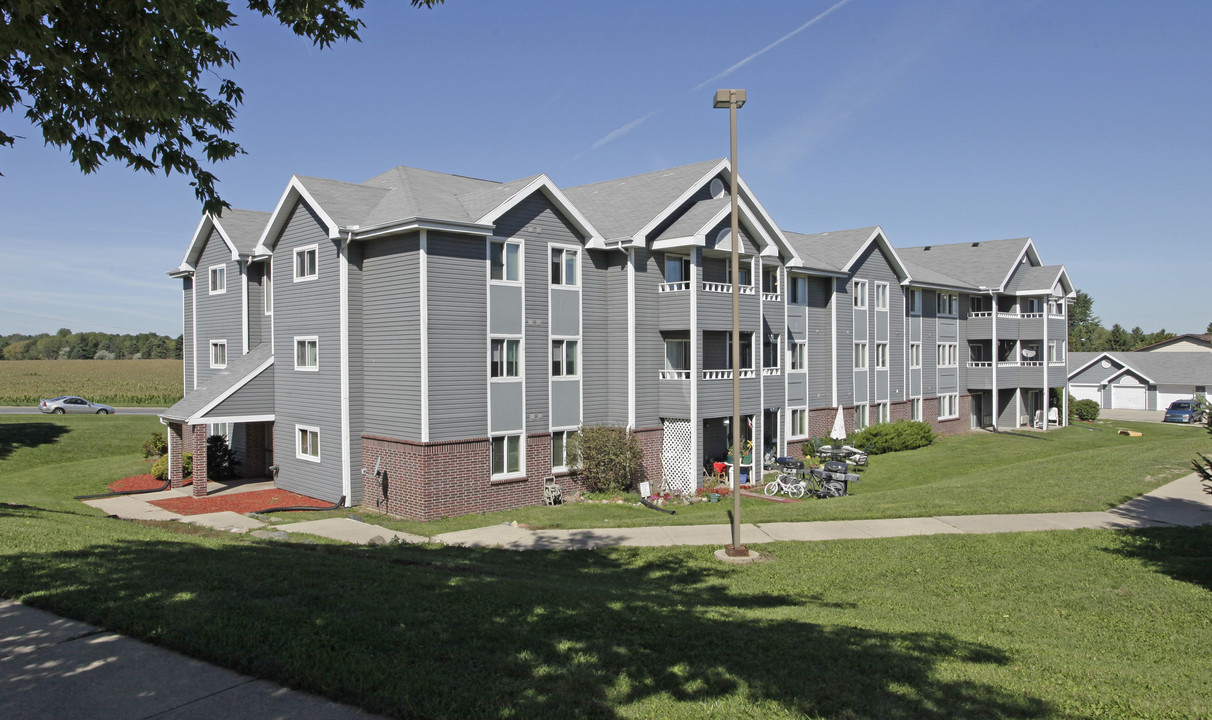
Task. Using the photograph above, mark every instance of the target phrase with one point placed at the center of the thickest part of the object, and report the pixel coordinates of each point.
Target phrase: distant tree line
(67, 345)
(1087, 334)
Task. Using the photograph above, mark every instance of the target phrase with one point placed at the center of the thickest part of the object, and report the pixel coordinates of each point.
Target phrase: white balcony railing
(1011, 315)
(675, 374)
(980, 363)
(675, 286)
(727, 374)
(772, 296)
(1028, 316)
(1057, 363)
(1056, 316)
(981, 314)
(1031, 363)
(726, 288)
(1007, 363)
(772, 371)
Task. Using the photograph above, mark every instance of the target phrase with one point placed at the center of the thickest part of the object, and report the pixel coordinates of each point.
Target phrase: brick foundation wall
(199, 450)
(176, 448)
(426, 481)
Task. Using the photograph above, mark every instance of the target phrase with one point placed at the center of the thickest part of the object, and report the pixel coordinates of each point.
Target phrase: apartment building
(424, 343)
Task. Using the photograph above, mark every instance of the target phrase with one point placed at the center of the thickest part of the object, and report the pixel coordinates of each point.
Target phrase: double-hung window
(677, 358)
(563, 266)
(915, 355)
(307, 443)
(559, 449)
(307, 353)
(948, 406)
(218, 353)
(862, 417)
(881, 355)
(915, 409)
(947, 304)
(677, 269)
(798, 294)
(222, 429)
(770, 281)
(505, 260)
(1053, 351)
(770, 351)
(799, 423)
(306, 263)
(860, 294)
(881, 296)
(218, 279)
(506, 358)
(746, 350)
(268, 288)
(799, 356)
(948, 354)
(564, 358)
(506, 455)
(860, 356)
(915, 302)
(883, 413)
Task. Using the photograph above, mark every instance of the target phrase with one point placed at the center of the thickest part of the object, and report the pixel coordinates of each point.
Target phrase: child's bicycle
(788, 480)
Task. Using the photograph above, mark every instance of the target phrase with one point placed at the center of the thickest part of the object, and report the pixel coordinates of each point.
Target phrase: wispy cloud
(771, 46)
(623, 130)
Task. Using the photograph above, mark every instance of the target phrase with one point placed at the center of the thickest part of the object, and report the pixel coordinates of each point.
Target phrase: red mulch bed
(239, 502)
(138, 482)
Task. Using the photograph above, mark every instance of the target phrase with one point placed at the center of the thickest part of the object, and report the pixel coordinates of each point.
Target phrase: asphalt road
(119, 411)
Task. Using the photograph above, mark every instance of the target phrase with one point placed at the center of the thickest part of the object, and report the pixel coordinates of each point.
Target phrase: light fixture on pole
(734, 99)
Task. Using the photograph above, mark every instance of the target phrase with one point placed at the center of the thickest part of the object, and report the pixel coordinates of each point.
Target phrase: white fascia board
(294, 192)
(637, 240)
(196, 417)
(1097, 358)
(1124, 371)
(1028, 251)
(415, 224)
(881, 241)
(680, 242)
(557, 197)
(775, 231)
(181, 272)
(1063, 277)
(232, 419)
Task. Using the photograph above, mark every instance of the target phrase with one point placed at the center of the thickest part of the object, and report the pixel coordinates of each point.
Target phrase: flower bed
(138, 482)
(239, 502)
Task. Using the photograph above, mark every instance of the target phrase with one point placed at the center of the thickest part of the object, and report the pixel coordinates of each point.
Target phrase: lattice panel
(677, 452)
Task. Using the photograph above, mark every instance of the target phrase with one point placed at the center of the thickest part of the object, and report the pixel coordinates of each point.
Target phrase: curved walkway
(1183, 502)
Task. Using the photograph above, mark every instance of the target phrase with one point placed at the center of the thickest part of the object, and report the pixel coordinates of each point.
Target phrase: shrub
(1085, 410)
(155, 446)
(894, 437)
(221, 462)
(160, 467)
(607, 457)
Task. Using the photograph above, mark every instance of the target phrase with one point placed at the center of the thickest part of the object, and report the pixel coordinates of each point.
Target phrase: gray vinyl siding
(845, 341)
(650, 346)
(748, 246)
(256, 308)
(391, 337)
(820, 343)
(929, 344)
(255, 398)
(308, 398)
(600, 352)
(357, 371)
(187, 332)
(458, 337)
(616, 364)
(1095, 374)
(219, 317)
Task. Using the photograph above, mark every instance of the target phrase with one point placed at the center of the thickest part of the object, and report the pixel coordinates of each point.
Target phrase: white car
(72, 404)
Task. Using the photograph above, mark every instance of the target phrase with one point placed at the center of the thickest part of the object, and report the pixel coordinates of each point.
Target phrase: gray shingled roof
(1032, 279)
(696, 218)
(926, 275)
(237, 371)
(836, 248)
(346, 203)
(243, 227)
(481, 201)
(974, 264)
(1167, 368)
(808, 247)
(620, 208)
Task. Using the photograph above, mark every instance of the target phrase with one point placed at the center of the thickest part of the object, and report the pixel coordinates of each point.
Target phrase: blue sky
(1084, 125)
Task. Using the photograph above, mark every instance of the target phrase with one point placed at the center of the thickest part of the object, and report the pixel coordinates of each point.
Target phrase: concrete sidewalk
(53, 668)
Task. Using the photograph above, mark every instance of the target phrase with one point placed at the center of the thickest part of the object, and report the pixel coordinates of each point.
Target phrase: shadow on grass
(455, 632)
(1183, 553)
(1033, 436)
(14, 436)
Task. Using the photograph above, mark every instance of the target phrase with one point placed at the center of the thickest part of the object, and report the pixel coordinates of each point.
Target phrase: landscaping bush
(894, 437)
(160, 467)
(607, 457)
(155, 446)
(1085, 410)
(221, 462)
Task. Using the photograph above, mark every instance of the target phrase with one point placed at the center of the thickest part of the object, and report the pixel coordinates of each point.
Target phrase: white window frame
(768, 273)
(303, 437)
(915, 302)
(504, 363)
(883, 413)
(860, 356)
(746, 268)
(915, 354)
(799, 356)
(506, 244)
(798, 290)
(220, 272)
(683, 352)
(313, 339)
(564, 434)
(505, 471)
(881, 356)
(562, 370)
(682, 263)
(267, 287)
(776, 352)
(948, 406)
(745, 356)
(312, 250)
(564, 251)
(947, 304)
(948, 354)
(859, 289)
(799, 422)
(217, 344)
(223, 429)
(915, 409)
(862, 416)
(1053, 351)
(881, 296)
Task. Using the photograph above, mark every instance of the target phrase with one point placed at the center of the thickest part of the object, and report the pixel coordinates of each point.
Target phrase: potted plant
(746, 452)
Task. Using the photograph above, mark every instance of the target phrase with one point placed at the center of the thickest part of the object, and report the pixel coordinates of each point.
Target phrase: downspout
(343, 259)
(1044, 351)
(995, 344)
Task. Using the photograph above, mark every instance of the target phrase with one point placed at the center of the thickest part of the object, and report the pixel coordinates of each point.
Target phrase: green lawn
(1071, 625)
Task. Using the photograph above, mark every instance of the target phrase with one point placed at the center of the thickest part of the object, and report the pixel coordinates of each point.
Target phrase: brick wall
(199, 450)
(254, 449)
(176, 448)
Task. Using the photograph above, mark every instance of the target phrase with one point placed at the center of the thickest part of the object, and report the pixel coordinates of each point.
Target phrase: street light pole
(734, 99)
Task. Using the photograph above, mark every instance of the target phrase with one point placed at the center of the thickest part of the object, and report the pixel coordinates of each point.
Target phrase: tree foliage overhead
(137, 80)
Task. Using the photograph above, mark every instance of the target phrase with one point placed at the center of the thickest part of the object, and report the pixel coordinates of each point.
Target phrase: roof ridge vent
(926, 248)
(976, 244)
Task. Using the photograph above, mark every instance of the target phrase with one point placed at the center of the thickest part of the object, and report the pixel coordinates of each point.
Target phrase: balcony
(746, 373)
(717, 287)
(683, 286)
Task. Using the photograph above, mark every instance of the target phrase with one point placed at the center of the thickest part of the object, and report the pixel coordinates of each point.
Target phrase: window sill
(506, 480)
(308, 458)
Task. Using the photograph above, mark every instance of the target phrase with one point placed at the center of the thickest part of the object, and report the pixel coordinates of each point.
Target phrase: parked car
(72, 404)
(1184, 411)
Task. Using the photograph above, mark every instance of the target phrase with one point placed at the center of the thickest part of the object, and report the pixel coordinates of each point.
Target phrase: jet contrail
(625, 129)
(772, 45)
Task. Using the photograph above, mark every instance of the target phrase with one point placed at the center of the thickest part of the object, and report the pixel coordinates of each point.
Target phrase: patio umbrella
(839, 427)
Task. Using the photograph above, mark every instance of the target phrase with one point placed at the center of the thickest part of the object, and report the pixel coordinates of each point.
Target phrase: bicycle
(788, 480)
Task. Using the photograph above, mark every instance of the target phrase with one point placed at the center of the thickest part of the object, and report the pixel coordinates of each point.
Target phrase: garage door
(1128, 397)
(1167, 394)
(1086, 392)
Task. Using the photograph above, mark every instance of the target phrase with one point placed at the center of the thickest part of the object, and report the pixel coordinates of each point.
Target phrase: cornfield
(123, 383)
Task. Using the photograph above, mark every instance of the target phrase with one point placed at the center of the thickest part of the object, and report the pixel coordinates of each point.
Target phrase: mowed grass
(125, 383)
(1074, 469)
(1067, 625)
